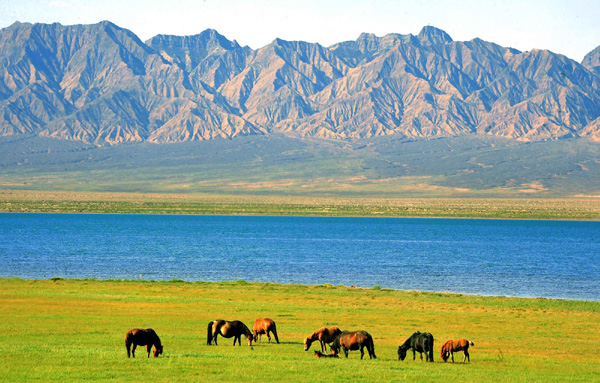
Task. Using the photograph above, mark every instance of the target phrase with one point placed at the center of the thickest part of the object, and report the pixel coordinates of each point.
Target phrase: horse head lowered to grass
(418, 342)
(228, 329)
(452, 346)
(143, 337)
(324, 335)
(264, 326)
(354, 340)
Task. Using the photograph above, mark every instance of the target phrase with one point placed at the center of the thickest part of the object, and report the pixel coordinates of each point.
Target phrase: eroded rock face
(99, 83)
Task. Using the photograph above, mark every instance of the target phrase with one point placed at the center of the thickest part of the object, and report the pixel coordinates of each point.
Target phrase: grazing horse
(452, 346)
(228, 329)
(418, 342)
(319, 355)
(354, 340)
(264, 326)
(324, 335)
(141, 337)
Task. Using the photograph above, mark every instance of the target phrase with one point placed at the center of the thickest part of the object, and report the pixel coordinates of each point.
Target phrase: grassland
(147, 203)
(73, 330)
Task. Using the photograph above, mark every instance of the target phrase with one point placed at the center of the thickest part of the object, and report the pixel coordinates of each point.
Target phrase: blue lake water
(554, 259)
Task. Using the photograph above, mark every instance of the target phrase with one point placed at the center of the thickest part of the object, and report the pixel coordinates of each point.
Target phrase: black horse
(418, 342)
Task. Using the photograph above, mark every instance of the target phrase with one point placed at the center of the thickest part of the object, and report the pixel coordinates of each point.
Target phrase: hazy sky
(569, 27)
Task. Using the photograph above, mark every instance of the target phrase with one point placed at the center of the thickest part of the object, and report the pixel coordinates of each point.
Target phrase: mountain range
(101, 84)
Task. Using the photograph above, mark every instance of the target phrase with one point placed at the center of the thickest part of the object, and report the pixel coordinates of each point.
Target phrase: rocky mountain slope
(100, 84)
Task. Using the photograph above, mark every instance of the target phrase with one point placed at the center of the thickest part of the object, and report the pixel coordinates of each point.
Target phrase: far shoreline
(241, 282)
(33, 201)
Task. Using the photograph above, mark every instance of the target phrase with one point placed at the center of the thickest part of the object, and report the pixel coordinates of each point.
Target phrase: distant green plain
(73, 330)
(148, 203)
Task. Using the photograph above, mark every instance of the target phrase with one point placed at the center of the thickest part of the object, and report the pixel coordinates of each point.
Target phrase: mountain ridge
(101, 84)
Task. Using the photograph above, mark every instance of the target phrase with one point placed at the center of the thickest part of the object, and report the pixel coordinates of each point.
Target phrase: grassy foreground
(145, 203)
(73, 330)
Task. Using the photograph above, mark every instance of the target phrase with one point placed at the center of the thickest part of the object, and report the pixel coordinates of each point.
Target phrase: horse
(228, 329)
(354, 340)
(141, 337)
(319, 355)
(418, 342)
(324, 335)
(452, 346)
(264, 326)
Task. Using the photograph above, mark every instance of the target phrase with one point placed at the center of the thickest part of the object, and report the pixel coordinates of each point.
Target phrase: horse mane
(406, 344)
(247, 331)
(446, 350)
(157, 342)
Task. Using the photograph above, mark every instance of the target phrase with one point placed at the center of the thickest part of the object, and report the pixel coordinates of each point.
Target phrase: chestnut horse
(141, 337)
(418, 342)
(452, 346)
(264, 326)
(228, 329)
(324, 335)
(354, 340)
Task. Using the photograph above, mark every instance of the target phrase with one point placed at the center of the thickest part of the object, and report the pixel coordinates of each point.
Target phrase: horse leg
(452, 355)
(467, 356)
(414, 354)
(149, 349)
(345, 351)
(133, 350)
(362, 352)
(128, 345)
(323, 346)
(269, 336)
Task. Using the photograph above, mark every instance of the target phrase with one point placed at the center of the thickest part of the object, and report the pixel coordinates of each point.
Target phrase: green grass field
(73, 330)
(161, 203)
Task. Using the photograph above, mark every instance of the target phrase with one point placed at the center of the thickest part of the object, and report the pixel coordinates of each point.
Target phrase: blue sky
(571, 27)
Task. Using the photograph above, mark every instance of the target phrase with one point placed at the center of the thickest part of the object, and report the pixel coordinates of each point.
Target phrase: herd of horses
(338, 340)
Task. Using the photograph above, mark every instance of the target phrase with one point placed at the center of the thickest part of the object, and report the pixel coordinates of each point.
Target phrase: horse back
(354, 339)
(263, 325)
(141, 337)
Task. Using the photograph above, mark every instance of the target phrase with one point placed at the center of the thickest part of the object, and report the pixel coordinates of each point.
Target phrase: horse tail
(371, 346)
(470, 343)
(431, 348)
(128, 342)
(275, 332)
(209, 333)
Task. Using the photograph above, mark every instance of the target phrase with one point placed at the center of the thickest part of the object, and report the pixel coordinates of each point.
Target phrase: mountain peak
(592, 60)
(431, 35)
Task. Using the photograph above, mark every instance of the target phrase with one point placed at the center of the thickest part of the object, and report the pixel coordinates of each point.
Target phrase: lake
(553, 259)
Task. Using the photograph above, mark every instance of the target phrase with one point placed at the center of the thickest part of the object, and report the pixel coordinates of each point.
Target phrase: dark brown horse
(354, 340)
(264, 326)
(418, 342)
(228, 329)
(319, 354)
(141, 337)
(452, 346)
(324, 335)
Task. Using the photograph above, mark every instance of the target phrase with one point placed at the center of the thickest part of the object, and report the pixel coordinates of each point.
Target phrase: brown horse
(141, 337)
(324, 335)
(354, 340)
(228, 329)
(265, 326)
(319, 354)
(452, 346)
